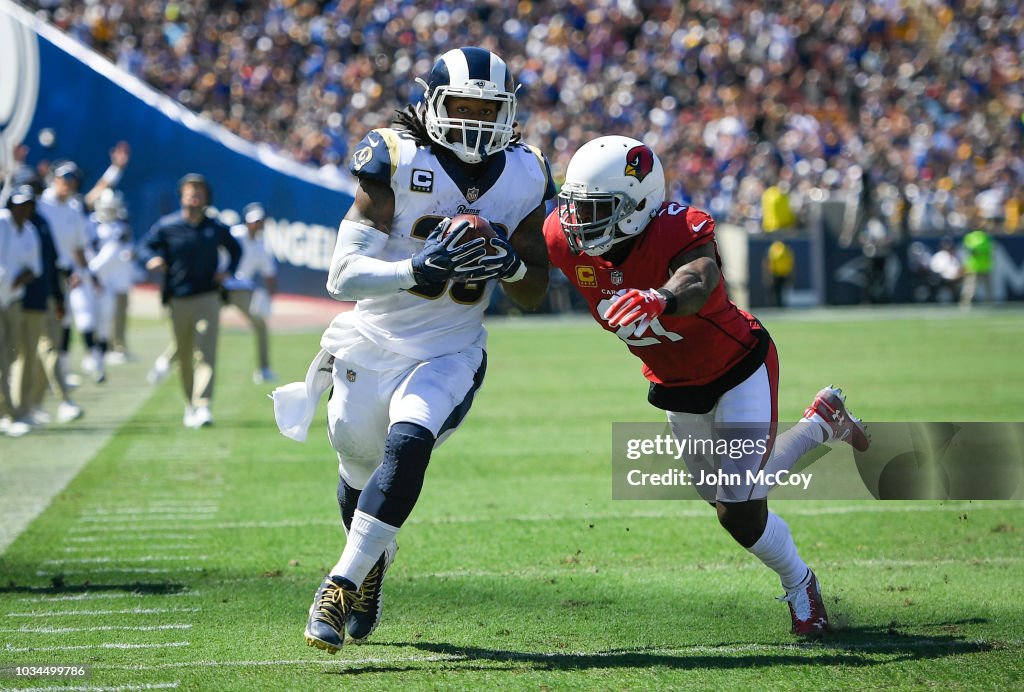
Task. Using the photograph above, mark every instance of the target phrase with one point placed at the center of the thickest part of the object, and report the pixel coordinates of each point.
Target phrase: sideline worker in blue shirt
(184, 247)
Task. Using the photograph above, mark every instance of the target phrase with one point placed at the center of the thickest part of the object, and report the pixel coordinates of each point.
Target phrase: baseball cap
(68, 169)
(253, 212)
(23, 194)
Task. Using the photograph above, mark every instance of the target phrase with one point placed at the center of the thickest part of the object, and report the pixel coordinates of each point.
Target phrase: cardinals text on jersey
(694, 354)
(430, 320)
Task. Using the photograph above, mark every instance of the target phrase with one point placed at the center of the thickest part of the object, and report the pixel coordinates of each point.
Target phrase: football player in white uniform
(63, 209)
(112, 263)
(408, 359)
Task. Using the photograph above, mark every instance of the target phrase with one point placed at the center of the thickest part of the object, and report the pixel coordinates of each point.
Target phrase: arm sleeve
(269, 265)
(356, 274)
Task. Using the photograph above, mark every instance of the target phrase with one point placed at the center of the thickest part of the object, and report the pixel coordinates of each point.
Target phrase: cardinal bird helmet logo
(639, 162)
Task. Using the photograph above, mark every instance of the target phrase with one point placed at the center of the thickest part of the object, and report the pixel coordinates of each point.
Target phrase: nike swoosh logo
(371, 139)
(696, 229)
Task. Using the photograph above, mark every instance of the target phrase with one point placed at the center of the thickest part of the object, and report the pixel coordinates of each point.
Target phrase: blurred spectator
(948, 270)
(777, 214)
(252, 284)
(112, 261)
(779, 265)
(926, 98)
(42, 311)
(20, 264)
(978, 249)
(876, 245)
(924, 282)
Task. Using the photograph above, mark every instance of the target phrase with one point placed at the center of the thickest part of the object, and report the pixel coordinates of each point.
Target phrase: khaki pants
(186, 313)
(10, 338)
(26, 368)
(241, 300)
(970, 293)
(117, 340)
(44, 370)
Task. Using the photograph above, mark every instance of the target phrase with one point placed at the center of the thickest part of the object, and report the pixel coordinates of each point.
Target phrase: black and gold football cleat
(368, 603)
(325, 628)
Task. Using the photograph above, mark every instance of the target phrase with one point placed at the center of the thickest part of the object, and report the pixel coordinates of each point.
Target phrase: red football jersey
(676, 351)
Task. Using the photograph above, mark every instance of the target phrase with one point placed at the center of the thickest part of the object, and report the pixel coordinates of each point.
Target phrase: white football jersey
(257, 260)
(68, 225)
(432, 320)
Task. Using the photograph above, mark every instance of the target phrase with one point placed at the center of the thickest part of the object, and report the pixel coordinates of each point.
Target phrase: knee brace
(395, 486)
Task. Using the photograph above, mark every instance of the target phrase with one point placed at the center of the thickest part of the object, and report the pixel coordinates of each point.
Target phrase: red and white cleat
(806, 607)
(829, 406)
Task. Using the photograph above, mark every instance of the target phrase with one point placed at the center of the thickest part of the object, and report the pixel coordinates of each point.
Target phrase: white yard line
(102, 628)
(105, 595)
(145, 511)
(107, 645)
(116, 549)
(126, 611)
(128, 539)
(120, 560)
(119, 570)
(118, 688)
(144, 533)
(701, 512)
(126, 520)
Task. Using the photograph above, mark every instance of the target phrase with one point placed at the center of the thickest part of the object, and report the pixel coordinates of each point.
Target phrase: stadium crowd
(915, 107)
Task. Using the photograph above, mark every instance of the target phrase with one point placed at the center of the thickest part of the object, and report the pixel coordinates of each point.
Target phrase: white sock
(776, 549)
(826, 429)
(367, 539)
(793, 444)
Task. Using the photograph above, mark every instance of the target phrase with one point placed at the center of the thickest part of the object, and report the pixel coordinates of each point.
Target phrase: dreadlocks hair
(412, 122)
(410, 119)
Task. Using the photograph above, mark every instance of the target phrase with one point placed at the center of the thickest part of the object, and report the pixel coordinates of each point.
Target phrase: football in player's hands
(478, 227)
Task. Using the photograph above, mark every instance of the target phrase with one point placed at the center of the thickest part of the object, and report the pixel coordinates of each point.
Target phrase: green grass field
(188, 559)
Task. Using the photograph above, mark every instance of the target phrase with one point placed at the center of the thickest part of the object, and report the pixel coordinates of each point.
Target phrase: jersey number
(655, 334)
(462, 293)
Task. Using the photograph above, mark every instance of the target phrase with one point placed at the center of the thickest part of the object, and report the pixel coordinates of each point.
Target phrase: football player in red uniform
(650, 272)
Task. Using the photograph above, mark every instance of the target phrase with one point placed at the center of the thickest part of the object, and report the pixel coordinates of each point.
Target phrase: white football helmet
(469, 73)
(110, 206)
(613, 186)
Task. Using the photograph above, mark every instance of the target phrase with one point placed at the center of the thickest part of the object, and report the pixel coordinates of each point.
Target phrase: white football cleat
(202, 417)
(829, 408)
(18, 428)
(38, 416)
(68, 411)
(158, 373)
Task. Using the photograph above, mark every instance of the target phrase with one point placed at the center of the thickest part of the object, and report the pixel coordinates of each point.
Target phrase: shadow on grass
(854, 647)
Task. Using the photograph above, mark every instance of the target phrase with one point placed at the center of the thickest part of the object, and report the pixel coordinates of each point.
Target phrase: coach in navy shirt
(184, 247)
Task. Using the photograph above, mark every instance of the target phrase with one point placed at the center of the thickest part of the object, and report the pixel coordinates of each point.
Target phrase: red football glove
(635, 305)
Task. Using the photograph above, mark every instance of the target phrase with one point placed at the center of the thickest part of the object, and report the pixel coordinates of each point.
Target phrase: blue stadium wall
(89, 105)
